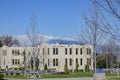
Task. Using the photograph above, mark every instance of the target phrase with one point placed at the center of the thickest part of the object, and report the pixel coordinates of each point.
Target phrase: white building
(55, 56)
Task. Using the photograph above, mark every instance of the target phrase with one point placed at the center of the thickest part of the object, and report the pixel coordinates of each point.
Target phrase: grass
(70, 75)
(16, 76)
(113, 79)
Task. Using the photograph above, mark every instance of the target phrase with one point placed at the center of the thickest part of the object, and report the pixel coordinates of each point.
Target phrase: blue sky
(61, 18)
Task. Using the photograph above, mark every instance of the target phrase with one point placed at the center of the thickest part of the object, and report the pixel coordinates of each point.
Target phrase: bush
(81, 70)
(87, 68)
(66, 69)
(1, 76)
(45, 67)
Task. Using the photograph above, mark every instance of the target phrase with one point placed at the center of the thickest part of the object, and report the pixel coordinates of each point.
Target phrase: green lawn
(113, 78)
(77, 74)
(70, 75)
(15, 76)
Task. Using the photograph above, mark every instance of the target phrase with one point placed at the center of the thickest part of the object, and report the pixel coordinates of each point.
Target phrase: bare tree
(112, 8)
(35, 40)
(9, 41)
(92, 33)
(110, 50)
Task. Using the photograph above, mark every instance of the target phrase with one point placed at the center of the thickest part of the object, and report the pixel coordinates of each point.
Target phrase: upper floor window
(55, 51)
(81, 51)
(43, 51)
(16, 52)
(65, 51)
(48, 62)
(48, 51)
(76, 51)
(70, 50)
(88, 51)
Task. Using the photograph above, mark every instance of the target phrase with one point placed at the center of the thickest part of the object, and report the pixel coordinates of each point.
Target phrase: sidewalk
(57, 79)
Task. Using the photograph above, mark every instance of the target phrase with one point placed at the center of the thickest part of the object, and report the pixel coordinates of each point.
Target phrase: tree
(111, 7)
(45, 67)
(35, 40)
(110, 50)
(92, 34)
(0, 43)
(9, 41)
(101, 63)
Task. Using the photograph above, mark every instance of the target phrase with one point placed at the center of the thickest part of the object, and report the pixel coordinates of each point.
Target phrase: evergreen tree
(0, 43)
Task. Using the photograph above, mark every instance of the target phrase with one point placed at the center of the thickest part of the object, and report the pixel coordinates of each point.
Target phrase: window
(70, 61)
(56, 62)
(81, 61)
(81, 51)
(13, 61)
(43, 51)
(12, 52)
(65, 51)
(55, 51)
(76, 60)
(48, 51)
(48, 62)
(18, 61)
(89, 61)
(53, 62)
(18, 52)
(65, 60)
(76, 51)
(70, 50)
(88, 51)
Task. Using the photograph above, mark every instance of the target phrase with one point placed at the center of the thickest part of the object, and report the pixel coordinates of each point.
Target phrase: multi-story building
(55, 56)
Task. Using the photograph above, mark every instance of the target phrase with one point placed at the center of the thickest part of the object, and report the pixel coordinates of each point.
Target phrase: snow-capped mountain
(24, 40)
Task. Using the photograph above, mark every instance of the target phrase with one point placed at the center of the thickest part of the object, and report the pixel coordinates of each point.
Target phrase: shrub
(66, 69)
(1, 76)
(45, 67)
(15, 68)
(81, 70)
(87, 68)
(77, 66)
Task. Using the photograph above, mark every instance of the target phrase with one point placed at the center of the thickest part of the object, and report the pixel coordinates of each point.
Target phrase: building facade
(55, 56)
